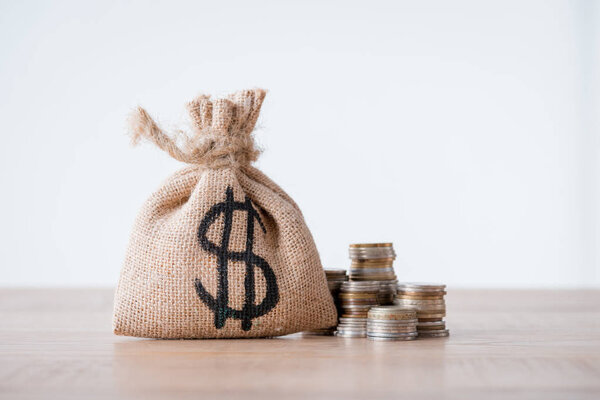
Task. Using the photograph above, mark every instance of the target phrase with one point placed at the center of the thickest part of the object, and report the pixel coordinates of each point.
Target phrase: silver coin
(390, 310)
(407, 306)
(377, 320)
(351, 328)
(430, 315)
(393, 322)
(413, 321)
(372, 255)
(379, 334)
(420, 302)
(392, 328)
(405, 329)
(351, 335)
(369, 278)
(353, 286)
(425, 309)
(381, 326)
(407, 322)
(362, 283)
(413, 333)
(351, 332)
(418, 286)
(350, 321)
(342, 319)
(391, 317)
(390, 339)
(433, 330)
(432, 323)
(442, 333)
(372, 331)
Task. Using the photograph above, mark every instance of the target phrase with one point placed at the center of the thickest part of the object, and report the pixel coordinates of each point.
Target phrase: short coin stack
(335, 278)
(356, 300)
(374, 262)
(428, 301)
(391, 323)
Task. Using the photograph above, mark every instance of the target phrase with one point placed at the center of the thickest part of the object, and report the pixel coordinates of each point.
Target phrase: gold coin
(431, 328)
(363, 295)
(354, 245)
(375, 261)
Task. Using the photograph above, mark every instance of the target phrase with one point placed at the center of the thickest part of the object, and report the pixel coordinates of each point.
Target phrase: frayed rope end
(141, 125)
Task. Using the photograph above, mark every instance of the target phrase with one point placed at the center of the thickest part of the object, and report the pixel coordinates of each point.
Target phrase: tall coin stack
(428, 301)
(335, 278)
(391, 323)
(374, 262)
(356, 300)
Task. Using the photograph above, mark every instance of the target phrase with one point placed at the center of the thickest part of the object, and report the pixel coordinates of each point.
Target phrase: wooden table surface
(503, 344)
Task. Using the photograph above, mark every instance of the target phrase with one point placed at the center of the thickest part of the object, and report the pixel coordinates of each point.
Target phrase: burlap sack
(219, 251)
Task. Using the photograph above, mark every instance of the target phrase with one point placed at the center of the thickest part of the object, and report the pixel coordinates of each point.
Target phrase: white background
(464, 132)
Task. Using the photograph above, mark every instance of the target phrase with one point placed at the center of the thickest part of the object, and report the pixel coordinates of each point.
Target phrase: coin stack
(428, 301)
(335, 278)
(356, 300)
(391, 323)
(374, 262)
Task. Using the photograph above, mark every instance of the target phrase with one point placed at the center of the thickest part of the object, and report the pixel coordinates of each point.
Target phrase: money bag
(219, 250)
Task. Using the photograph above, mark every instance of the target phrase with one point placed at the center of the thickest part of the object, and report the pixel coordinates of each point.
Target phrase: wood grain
(503, 344)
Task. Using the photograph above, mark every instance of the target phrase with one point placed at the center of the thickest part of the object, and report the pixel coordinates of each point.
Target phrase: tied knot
(222, 131)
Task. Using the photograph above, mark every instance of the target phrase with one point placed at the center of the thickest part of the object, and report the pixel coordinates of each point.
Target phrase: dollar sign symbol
(220, 305)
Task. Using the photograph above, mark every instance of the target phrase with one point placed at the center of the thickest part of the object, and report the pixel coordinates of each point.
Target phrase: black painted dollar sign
(220, 304)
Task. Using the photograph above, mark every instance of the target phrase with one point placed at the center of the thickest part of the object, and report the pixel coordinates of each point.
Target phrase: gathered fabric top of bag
(222, 131)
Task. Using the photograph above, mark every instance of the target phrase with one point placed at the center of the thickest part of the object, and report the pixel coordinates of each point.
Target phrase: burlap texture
(272, 273)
